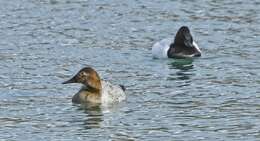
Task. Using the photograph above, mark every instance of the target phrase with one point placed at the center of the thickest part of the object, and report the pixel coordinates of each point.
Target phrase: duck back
(112, 93)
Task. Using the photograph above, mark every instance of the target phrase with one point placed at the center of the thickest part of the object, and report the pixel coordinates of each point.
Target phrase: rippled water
(214, 97)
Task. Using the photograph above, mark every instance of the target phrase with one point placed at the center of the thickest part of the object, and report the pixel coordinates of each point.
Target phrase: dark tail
(122, 87)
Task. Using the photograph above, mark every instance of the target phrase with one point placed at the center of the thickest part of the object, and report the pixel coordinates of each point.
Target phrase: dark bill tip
(72, 80)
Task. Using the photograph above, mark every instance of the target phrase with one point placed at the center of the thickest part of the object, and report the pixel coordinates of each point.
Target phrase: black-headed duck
(183, 46)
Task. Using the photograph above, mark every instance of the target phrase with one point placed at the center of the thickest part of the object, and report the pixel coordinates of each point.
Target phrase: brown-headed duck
(94, 89)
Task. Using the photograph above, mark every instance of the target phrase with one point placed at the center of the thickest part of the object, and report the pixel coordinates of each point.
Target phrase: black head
(183, 45)
(183, 37)
(87, 76)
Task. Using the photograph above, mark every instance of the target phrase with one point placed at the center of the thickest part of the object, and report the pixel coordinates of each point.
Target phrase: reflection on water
(183, 69)
(94, 115)
(181, 64)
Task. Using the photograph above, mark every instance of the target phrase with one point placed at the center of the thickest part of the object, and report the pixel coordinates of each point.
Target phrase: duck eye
(85, 74)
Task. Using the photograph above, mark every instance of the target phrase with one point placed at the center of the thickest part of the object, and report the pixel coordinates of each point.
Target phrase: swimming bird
(183, 46)
(94, 89)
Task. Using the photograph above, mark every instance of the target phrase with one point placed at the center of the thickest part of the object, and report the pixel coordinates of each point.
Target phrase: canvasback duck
(94, 89)
(182, 47)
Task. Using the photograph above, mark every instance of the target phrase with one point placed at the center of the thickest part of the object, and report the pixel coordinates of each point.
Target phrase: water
(45, 42)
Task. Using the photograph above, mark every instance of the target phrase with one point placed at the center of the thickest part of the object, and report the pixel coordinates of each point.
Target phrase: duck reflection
(94, 115)
(181, 64)
(183, 67)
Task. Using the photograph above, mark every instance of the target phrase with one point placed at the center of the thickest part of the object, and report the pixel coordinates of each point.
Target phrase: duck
(95, 90)
(183, 46)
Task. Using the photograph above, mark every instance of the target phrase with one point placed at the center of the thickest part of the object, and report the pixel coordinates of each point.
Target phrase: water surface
(45, 42)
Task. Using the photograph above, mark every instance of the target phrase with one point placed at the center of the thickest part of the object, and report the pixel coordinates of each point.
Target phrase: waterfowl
(183, 46)
(94, 89)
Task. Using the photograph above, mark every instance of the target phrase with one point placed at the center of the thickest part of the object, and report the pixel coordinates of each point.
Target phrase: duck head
(183, 45)
(88, 77)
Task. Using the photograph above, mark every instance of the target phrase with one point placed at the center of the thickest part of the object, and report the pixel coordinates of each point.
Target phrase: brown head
(88, 77)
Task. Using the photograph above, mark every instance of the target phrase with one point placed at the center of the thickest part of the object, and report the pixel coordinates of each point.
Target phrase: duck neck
(89, 94)
(94, 90)
(94, 87)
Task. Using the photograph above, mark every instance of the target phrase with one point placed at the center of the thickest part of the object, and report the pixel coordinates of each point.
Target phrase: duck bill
(72, 80)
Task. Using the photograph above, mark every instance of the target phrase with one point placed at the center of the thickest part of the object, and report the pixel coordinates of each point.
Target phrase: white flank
(160, 49)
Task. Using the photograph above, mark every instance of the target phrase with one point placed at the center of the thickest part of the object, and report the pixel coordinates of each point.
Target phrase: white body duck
(183, 46)
(95, 90)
